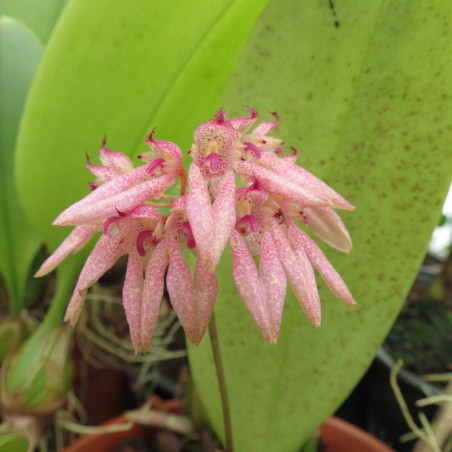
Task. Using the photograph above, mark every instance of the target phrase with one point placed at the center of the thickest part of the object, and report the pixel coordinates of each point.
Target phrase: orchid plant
(363, 90)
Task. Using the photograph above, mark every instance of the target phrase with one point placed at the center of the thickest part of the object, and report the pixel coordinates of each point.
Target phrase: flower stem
(221, 381)
(66, 277)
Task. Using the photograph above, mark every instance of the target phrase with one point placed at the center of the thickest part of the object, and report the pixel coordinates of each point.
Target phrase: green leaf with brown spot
(364, 90)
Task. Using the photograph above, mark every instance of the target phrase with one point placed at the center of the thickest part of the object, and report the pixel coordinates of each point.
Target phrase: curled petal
(300, 239)
(154, 282)
(250, 286)
(180, 290)
(326, 224)
(106, 252)
(243, 124)
(300, 274)
(165, 147)
(132, 294)
(102, 173)
(120, 162)
(76, 240)
(266, 127)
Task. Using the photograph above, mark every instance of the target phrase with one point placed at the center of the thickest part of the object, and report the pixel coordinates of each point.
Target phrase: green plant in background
(35, 372)
(364, 90)
(13, 443)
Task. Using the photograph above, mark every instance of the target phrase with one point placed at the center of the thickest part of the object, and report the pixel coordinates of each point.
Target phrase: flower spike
(243, 189)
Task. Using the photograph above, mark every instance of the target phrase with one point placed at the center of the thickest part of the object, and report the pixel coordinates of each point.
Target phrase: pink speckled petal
(274, 279)
(154, 283)
(103, 173)
(180, 289)
(243, 124)
(275, 183)
(224, 217)
(205, 288)
(117, 160)
(180, 204)
(265, 127)
(326, 224)
(87, 211)
(165, 147)
(201, 217)
(300, 274)
(132, 294)
(304, 178)
(105, 191)
(300, 239)
(144, 211)
(102, 257)
(78, 238)
(250, 286)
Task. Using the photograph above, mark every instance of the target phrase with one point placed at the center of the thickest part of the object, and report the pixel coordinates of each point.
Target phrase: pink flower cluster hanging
(257, 216)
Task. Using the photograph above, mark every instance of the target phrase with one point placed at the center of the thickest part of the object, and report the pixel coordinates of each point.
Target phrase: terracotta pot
(106, 442)
(340, 436)
(337, 436)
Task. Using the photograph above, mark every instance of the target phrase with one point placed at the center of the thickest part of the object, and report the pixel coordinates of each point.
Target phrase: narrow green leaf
(13, 443)
(39, 15)
(20, 52)
(119, 69)
(364, 90)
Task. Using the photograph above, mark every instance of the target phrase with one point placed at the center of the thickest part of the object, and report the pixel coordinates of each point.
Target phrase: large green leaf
(39, 15)
(364, 90)
(118, 69)
(20, 52)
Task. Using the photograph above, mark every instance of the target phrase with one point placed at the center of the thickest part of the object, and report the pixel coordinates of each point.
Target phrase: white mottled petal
(274, 279)
(304, 178)
(109, 206)
(154, 283)
(78, 238)
(102, 258)
(224, 217)
(300, 274)
(250, 286)
(326, 224)
(300, 239)
(180, 289)
(205, 288)
(132, 294)
(275, 183)
(200, 216)
(116, 160)
(101, 194)
(267, 126)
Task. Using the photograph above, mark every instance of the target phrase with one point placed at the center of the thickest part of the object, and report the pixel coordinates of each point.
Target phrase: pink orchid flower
(278, 193)
(258, 219)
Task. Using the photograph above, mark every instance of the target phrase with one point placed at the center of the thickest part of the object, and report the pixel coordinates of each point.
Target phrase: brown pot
(340, 436)
(337, 436)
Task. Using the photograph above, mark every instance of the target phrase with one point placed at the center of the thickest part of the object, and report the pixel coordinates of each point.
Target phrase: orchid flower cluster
(257, 216)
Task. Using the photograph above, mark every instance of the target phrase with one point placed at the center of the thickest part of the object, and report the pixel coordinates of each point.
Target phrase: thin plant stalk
(213, 333)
